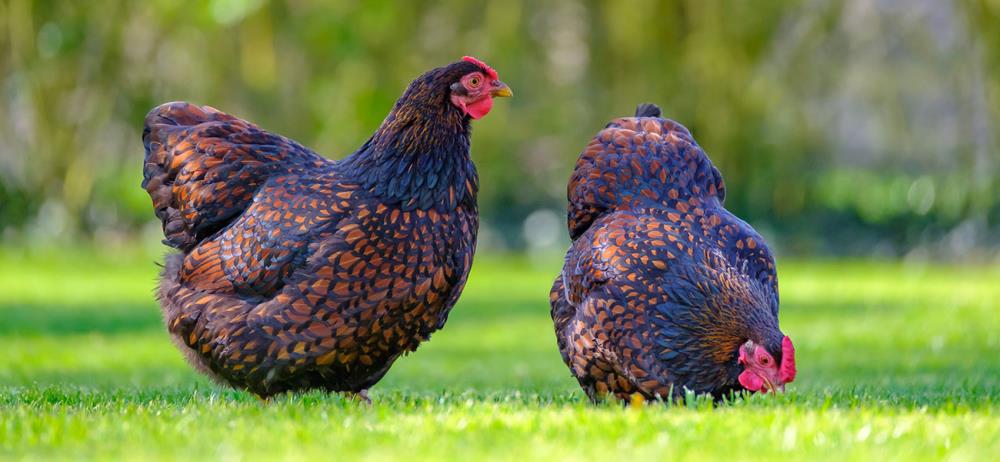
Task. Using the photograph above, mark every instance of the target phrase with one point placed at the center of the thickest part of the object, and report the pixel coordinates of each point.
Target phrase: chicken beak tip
(501, 90)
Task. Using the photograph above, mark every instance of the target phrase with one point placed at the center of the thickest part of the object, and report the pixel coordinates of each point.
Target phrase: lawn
(895, 362)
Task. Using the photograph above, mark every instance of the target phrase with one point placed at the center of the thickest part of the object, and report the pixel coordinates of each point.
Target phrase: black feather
(647, 110)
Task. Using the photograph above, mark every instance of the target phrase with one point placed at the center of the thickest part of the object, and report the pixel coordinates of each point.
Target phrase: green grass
(895, 363)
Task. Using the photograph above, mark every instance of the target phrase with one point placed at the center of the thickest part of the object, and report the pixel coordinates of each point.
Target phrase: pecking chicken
(663, 290)
(298, 272)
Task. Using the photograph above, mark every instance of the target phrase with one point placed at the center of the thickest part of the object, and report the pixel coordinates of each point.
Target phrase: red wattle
(751, 381)
(480, 108)
(787, 371)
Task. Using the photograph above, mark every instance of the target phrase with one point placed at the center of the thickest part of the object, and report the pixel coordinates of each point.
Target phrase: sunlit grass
(895, 362)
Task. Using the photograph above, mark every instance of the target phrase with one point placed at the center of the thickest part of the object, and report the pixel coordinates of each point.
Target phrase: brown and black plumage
(663, 290)
(298, 272)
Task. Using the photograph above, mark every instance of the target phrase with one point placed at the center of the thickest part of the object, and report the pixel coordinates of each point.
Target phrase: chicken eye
(474, 81)
(764, 360)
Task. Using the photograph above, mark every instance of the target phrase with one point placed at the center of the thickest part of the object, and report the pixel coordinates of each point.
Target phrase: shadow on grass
(84, 318)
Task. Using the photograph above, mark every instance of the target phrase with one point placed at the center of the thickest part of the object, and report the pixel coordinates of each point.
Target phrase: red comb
(489, 70)
(787, 372)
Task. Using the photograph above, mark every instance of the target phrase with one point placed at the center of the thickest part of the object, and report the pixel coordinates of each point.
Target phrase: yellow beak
(501, 90)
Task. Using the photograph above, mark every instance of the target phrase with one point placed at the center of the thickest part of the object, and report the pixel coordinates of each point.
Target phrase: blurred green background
(850, 127)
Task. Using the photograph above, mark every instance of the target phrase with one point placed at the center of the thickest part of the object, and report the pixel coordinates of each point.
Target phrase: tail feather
(203, 167)
(647, 110)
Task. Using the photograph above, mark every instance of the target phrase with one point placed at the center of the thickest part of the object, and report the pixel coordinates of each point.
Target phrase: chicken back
(662, 287)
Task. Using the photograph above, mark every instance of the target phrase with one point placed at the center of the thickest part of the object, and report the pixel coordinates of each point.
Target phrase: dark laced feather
(662, 284)
(647, 110)
(419, 157)
(298, 272)
(614, 174)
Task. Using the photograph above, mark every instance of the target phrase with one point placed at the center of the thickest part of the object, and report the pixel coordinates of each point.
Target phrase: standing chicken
(663, 290)
(297, 272)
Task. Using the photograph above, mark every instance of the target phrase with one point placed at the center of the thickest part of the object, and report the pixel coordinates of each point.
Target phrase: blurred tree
(840, 126)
